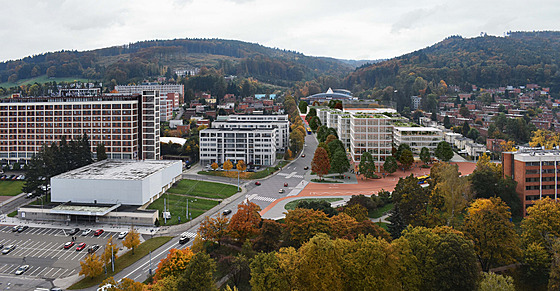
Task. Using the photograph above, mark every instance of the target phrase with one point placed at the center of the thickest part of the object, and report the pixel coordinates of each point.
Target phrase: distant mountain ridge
(140, 60)
(487, 61)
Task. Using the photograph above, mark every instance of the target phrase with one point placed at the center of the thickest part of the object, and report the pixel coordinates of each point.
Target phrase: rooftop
(416, 128)
(117, 170)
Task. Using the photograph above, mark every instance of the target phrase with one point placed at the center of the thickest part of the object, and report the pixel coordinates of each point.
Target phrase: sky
(347, 29)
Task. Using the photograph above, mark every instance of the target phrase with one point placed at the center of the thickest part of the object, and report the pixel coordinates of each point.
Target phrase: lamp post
(187, 213)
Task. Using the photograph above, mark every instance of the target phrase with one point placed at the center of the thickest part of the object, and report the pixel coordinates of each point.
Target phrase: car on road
(184, 238)
(123, 234)
(285, 184)
(303, 155)
(258, 183)
(29, 195)
(306, 168)
(98, 232)
(22, 269)
(281, 191)
(226, 212)
(86, 231)
(68, 244)
(22, 228)
(7, 249)
(81, 246)
(92, 249)
(74, 231)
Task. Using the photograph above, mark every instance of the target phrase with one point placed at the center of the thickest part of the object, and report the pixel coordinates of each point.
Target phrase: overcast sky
(349, 29)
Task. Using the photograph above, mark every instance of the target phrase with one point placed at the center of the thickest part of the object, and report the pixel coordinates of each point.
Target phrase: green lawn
(380, 211)
(177, 206)
(203, 189)
(10, 188)
(292, 204)
(124, 261)
(43, 79)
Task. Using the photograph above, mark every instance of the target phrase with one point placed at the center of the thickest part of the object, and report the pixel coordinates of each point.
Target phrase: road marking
(191, 234)
(282, 174)
(266, 199)
(54, 275)
(291, 175)
(35, 270)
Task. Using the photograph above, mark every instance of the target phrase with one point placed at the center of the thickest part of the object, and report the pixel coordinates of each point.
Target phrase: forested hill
(137, 61)
(486, 61)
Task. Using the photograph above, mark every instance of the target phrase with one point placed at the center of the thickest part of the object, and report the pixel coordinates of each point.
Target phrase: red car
(258, 183)
(81, 246)
(68, 244)
(98, 232)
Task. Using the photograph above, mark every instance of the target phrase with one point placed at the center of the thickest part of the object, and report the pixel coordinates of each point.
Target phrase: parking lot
(42, 249)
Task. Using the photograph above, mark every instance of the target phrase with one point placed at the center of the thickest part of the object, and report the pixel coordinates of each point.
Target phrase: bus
(423, 179)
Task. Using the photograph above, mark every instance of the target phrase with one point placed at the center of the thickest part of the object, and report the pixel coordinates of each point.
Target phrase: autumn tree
(546, 138)
(535, 266)
(213, 229)
(455, 191)
(320, 164)
(341, 225)
(198, 274)
(132, 239)
(443, 151)
(390, 165)
(110, 251)
(496, 282)
(406, 159)
(302, 224)
(127, 284)
(425, 155)
(330, 138)
(267, 239)
(245, 222)
(488, 225)
(228, 165)
(241, 166)
(214, 166)
(268, 273)
(542, 222)
(319, 266)
(91, 266)
(356, 211)
(174, 264)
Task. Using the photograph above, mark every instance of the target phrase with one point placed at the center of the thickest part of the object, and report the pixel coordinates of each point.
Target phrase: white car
(8, 249)
(86, 231)
(22, 269)
(123, 234)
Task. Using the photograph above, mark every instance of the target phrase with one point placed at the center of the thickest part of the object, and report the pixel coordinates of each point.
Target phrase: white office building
(252, 145)
(163, 89)
(417, 137)
(278, 123)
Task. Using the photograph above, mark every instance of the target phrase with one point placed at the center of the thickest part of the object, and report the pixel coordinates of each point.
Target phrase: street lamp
(187, 213)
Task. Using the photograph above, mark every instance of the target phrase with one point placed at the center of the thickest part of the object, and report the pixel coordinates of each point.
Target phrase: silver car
(86, 231)
(22, 269)
(123, 234)
(8, 249)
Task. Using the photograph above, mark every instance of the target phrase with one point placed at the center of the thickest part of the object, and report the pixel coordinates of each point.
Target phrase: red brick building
(535, 172)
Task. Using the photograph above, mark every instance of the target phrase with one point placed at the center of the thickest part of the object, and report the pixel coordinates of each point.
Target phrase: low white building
(417, 137)
(116, 182)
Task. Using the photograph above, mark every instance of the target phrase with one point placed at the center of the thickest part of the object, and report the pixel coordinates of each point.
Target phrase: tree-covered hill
(137, 61)
(486, 61)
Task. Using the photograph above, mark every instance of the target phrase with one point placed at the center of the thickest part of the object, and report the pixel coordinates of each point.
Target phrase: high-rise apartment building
(138, 89)
(128, 125)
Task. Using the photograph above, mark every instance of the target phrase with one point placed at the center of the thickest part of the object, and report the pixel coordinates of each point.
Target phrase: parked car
(74, 231)
(22, 269)
(285, 184)
(15, 228)
(123, 234)
(92, 249)
(3, 177)
(98, 232)
(80, 246)
(22, 228)
(29, 195)
(68, 244)
(281, 191)
(7, 249)
(86, 231)
(258, 183)
(226, 212)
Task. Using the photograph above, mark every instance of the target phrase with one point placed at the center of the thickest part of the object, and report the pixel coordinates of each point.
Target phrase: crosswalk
(190, 234)
(262, 198)
(34, 271)
(290, 175)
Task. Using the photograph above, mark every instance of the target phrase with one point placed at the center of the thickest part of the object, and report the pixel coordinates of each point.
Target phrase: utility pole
(164, 213)
(150, 270)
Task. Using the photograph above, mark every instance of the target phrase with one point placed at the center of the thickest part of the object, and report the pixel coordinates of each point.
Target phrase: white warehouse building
(117, 182)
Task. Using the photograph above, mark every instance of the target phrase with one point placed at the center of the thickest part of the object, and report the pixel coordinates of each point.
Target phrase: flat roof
(117, 170)
(412, 128)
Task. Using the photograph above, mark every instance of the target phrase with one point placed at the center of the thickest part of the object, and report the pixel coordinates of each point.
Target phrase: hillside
(486, 61)
(137, 61)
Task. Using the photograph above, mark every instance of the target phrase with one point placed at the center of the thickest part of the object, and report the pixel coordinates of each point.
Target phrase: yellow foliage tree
(542, 222)
(508, 146)
(546, 138)
(213, 229)
(214, 166)
(91, 266)
(228, 165)
(241, 166)
(126, 284)
(132, 239)
(484, 162)
(455, 191)
(174, 264)
(245, 222)
(111, 249)
(168, 283)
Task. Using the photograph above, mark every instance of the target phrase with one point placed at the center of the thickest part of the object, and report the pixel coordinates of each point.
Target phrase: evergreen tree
(101, 155)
